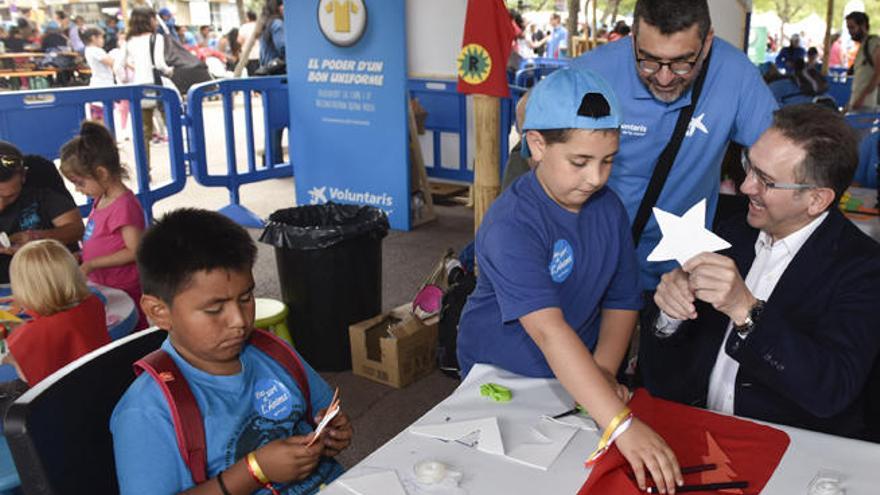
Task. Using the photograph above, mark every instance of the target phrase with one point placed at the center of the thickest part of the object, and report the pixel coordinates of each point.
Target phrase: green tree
(794, 10)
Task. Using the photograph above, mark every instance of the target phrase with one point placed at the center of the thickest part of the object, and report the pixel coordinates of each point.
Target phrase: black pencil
(708, 487)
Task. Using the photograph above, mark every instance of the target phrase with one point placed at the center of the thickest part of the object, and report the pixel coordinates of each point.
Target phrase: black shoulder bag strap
(667, 157)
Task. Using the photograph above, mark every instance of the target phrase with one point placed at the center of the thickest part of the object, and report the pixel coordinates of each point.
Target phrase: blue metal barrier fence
(274, 97)
(39, 122)
(447, 113)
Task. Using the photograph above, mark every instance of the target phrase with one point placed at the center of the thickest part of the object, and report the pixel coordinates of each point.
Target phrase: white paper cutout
(685, 236)
(488, 439)
(382, 483)
(543, 444)
(550, 440)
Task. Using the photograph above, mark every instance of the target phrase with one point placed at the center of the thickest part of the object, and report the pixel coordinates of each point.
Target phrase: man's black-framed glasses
(652, 66)
(763, 183)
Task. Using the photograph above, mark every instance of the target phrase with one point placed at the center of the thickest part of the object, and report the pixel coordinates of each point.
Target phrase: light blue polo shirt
(735, 105)
(558, 37)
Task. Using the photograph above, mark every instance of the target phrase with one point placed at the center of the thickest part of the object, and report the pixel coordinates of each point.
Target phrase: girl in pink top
(91, 162)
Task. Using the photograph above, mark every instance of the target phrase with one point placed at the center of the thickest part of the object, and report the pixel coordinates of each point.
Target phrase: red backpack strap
(284, 355)
(185, 413)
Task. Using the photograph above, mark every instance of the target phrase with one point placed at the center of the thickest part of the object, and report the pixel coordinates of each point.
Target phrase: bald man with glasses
(654, 72)
(782, 326)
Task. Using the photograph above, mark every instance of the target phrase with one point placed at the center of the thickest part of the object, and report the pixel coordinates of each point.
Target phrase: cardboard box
(376, 355)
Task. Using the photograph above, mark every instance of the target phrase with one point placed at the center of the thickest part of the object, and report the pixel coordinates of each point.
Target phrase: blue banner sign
(346, 67)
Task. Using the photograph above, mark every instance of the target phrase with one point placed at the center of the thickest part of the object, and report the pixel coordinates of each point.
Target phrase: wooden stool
(272, 315)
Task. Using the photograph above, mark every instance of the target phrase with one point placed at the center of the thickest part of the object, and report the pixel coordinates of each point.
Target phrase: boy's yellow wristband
(620, 422)
(256, 470)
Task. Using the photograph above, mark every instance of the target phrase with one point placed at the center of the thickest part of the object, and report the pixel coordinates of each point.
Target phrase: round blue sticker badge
(562, 263)
(272, 400)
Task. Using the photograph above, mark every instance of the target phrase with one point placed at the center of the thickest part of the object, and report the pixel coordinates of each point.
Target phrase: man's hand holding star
(714, 278)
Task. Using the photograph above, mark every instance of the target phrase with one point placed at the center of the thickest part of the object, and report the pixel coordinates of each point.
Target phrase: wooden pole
(486, 163)
(595, 25)
(418, 175)
(826, 54)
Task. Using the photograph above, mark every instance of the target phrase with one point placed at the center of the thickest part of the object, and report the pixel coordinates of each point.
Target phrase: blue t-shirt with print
(241, 413)
(735, 105)
(534, 254)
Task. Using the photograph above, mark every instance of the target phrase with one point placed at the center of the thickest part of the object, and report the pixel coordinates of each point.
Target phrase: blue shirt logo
(562, 263)
(272, 400)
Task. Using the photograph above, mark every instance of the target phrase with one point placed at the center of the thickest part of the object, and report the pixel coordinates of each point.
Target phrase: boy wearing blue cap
(558, 292)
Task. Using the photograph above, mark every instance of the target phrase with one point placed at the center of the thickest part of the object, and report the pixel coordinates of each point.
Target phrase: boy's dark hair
(251, 15)
(673, 16)
(860, 18)
(830, 144)
(90, 33)
(93, 147)
(61, 15)
(187, 241)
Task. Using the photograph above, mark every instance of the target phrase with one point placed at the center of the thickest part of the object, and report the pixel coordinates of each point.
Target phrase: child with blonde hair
(68, 320)
(91, 162)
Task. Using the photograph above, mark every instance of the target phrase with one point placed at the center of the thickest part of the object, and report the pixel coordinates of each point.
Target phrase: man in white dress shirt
(796, 338)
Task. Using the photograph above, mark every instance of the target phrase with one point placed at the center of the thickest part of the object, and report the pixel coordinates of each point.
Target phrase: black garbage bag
(329, 260)
(322, 226)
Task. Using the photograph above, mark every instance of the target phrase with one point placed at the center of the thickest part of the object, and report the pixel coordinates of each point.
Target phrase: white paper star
(685, 236)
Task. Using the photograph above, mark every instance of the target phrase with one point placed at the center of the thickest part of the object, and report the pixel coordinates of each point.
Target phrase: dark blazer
(808, 361)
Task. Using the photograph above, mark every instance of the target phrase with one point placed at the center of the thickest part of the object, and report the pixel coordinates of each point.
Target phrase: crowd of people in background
(551, 40)
(65, 38)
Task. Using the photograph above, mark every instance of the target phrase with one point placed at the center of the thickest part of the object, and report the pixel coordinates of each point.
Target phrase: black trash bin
(329, 261)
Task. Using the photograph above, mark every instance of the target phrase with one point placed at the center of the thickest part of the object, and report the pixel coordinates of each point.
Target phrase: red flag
(482, 63)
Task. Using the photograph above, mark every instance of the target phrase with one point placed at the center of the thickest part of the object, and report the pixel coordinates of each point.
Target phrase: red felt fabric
(47, 343)
(754, 450)
(488, 26)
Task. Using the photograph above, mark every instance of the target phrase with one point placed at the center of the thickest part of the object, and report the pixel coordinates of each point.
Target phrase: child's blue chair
(58, 431)
(869, 158)
(9, 481)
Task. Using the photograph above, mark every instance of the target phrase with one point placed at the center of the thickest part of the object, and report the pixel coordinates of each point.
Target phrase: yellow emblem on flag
(474, 64)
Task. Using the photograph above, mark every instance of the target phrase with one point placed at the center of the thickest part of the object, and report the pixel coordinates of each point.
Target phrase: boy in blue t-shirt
(195, 269)
(558, 291)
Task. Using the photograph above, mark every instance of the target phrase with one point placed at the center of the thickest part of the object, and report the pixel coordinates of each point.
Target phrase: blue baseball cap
(571, 99)
(164, 11)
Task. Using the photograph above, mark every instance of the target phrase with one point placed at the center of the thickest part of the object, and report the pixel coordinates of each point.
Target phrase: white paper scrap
(382, 483)
(331, 413)
(685, 236)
